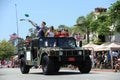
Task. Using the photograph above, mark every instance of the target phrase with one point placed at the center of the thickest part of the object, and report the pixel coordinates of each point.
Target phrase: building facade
(113, 37)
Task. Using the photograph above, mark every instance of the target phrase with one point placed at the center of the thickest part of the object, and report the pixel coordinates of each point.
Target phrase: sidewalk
(94, 69)
(103, 70)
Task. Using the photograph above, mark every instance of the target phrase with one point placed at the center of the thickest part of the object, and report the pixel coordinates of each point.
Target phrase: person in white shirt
(50, 32)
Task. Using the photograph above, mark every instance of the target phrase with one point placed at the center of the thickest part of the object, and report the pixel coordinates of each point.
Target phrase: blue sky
(53, 12)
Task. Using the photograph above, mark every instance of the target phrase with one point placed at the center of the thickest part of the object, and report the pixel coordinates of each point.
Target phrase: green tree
(80, 25)
(94, 25)
(114, 15)
(32, 32)
(83, 24)
(100, 25)
(6, 49)
(89, 19)
(62, 27)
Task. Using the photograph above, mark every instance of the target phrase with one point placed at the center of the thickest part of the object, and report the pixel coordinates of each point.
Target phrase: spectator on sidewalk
(0, 64)
(117, 65)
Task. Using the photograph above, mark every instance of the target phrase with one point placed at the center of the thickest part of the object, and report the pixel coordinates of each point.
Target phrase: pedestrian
(0, 64)
(78, 38)
(40, 29)
(117, 65)
(71, 35)
(50, 32)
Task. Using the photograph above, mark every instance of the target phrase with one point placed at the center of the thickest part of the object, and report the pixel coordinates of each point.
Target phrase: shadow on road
(64, 73)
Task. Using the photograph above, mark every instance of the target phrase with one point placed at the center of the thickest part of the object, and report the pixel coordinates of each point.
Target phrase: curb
(103, 70)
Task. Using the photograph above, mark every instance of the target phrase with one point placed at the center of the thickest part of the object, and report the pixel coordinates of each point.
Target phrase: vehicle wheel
(86, 66)
(57, 67)
(47, 65)
(23, 67)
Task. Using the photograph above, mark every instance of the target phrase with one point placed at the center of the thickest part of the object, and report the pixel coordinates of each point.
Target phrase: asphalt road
(36, 74)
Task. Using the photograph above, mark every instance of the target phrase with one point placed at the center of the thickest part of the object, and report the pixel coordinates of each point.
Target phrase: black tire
(23, 67)
(57, 67)
(47, 65)
(85, 66)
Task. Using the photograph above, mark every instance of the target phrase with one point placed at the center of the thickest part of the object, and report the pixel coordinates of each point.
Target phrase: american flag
(13, 36)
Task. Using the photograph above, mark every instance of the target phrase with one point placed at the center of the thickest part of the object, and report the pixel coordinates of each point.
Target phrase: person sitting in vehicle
(50, 32)
(58, 33)
(28, 40)
(65, 33)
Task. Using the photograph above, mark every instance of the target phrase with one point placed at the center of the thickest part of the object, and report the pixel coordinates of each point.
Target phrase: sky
(53, 12)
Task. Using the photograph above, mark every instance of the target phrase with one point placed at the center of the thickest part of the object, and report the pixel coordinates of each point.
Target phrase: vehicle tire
(57, 67)
(23, 67)
(47, 65)
(85, 66)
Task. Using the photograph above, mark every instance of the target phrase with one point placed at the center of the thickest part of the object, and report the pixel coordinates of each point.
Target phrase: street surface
(36, 74)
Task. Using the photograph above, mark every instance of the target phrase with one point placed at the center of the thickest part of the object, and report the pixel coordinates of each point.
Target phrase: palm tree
(83, 24)
(80, 25)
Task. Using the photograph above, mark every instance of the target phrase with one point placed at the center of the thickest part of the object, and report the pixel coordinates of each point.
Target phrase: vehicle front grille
(70, 53)
(67, 53)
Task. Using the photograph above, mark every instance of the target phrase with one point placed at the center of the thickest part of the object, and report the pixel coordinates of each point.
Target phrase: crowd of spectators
(14, 63)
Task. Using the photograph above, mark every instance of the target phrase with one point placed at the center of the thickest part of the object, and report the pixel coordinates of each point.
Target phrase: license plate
(71, 59)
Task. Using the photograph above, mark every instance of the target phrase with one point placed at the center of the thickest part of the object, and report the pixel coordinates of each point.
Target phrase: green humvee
(52, 53)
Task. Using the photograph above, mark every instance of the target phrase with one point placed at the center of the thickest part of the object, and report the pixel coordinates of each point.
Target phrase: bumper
(67, 59)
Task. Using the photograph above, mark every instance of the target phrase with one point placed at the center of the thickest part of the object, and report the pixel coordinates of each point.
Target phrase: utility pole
(16, 19)
(17, 28)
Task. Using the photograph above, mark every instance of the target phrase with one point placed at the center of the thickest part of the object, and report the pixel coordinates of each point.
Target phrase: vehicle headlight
(60, 53)
(80, 52)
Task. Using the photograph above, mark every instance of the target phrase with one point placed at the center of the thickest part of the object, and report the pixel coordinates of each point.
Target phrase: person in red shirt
(65, 33)
(28, 40)
(58, 33)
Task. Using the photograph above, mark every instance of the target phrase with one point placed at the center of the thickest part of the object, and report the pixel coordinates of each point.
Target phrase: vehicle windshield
(57, 42)
(66, 42)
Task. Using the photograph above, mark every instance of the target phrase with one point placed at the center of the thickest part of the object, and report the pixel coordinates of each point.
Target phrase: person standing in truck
(40, 29)
(50, 32)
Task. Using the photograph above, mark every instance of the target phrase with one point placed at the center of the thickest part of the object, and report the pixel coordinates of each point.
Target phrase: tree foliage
(62, 27)
(32, 32)
(83, 24)
(114, 15)
(80, 25)
(6, 49)
(100, 25)
(93, 26)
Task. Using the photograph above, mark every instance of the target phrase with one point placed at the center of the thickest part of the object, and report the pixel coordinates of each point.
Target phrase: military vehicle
(51, 53)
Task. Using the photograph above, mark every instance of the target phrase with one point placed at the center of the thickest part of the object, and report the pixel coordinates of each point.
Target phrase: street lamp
(24, 19)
